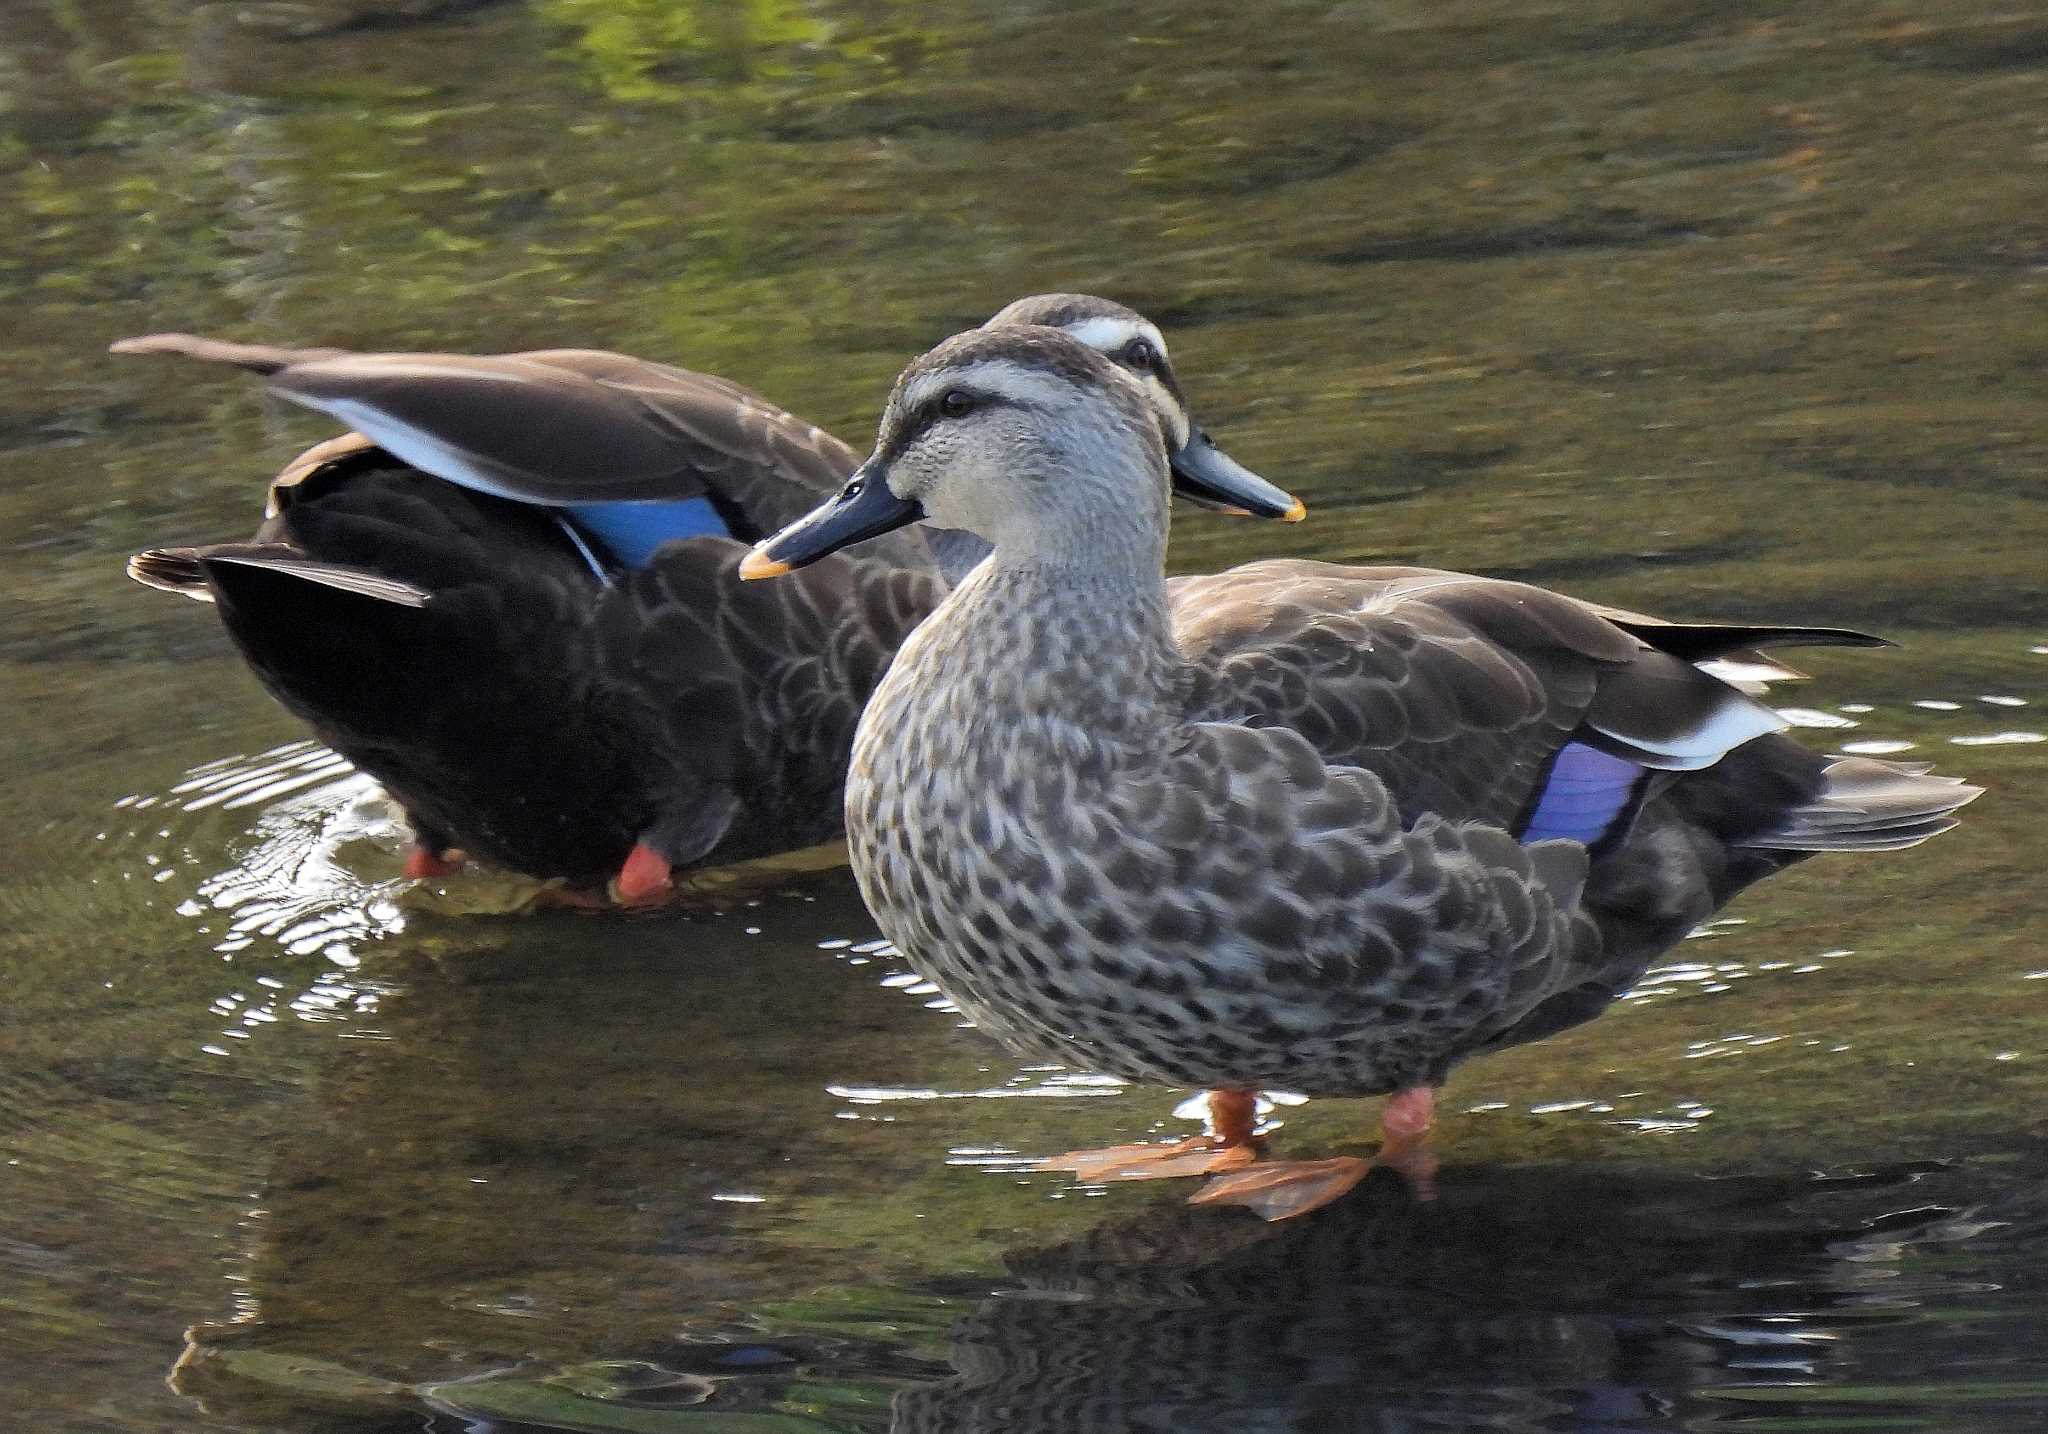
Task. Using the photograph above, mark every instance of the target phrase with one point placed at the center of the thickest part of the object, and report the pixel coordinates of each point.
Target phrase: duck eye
(852, 490)
(1140, 355)
(956, 403)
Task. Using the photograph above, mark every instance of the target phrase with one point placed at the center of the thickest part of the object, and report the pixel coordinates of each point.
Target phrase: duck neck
(1079, 646)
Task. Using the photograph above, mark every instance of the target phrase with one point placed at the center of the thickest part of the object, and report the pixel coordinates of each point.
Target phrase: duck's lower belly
(1071, 1008)
(1151, 988)
(1249, 1053)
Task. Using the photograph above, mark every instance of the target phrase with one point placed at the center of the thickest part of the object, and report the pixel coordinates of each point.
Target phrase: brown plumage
(527, 696)
(509, 597)
(1328, 829)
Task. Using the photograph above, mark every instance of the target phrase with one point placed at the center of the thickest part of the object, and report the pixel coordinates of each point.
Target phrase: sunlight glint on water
(288, 893)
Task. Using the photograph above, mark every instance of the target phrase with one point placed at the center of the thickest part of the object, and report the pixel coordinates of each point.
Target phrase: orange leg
(644, 880)
(423, 863)
(1288, 1188)
(1404, 1139)
(1231, 1144)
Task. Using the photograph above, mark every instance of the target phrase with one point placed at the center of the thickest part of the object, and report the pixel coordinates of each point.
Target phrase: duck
(1296, 825)
(508, 593)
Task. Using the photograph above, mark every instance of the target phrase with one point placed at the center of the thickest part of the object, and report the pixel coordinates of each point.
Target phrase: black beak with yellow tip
(863, 509)
(1206, 475)
(866, 508)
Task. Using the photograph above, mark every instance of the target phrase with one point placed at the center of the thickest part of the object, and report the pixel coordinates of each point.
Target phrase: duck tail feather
(172, 570)
(1867, 805)
(291, 563)
(349, 580)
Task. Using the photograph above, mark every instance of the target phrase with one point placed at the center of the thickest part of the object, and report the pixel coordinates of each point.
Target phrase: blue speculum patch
(1587, 790)
(631, 532)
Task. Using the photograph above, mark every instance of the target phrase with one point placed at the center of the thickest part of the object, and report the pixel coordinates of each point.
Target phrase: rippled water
(1710, 310)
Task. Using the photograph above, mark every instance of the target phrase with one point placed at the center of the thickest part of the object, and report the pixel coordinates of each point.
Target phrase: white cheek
(973, 493)
(1173, 419)
(934, 474)
(966, 478)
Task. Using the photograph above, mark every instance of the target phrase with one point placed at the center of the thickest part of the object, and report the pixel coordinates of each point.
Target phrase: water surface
(1710, 310)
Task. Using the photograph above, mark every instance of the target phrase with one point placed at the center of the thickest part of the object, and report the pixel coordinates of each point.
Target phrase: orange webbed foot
(1198, 1155)
(1404, 1146)
(1289, 1188)
(1231, 1144)
(1286, 1188)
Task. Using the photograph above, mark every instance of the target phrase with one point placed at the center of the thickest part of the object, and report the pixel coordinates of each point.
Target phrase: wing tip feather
(257, 358)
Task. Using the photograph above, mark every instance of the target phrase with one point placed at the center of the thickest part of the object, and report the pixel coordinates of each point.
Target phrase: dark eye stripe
(928, 414)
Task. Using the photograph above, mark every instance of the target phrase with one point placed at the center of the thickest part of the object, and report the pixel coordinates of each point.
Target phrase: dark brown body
(523, 699)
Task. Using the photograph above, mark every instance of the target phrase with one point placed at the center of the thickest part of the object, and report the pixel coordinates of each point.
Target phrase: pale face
(1123, 336)
(1044, 445)
(1136, 346)
(1020, 453)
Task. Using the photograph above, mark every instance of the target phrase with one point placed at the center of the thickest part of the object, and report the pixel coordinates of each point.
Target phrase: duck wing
(1471, 697)
(1542, 717)
(1734, 652)
(639, 452)
(1254, 863)
(554, 427)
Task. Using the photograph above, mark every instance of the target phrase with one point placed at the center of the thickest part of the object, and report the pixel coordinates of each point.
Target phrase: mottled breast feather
(1099, 881)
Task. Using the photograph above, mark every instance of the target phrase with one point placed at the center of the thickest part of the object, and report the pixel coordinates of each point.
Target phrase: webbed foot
(1231, 1144)
(1286, 1188)
(1197, 1155)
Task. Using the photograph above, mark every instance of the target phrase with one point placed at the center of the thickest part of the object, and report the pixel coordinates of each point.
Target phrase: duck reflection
(1519, 1300)
(521, 1191)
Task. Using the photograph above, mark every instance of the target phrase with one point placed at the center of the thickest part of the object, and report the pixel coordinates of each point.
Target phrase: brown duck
(1327, 829)
(509, 595)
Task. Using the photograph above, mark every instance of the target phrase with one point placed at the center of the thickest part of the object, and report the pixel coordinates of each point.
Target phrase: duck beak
(863, 509)
(1205, 474)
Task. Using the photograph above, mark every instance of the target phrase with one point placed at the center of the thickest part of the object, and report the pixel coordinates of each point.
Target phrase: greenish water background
(1706, 309)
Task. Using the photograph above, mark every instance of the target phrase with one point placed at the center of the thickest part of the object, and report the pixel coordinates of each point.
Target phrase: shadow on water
(737, 1170)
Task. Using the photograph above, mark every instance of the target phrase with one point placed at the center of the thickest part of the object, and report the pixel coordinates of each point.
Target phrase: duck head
(1202, 473)
(1026, 437)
